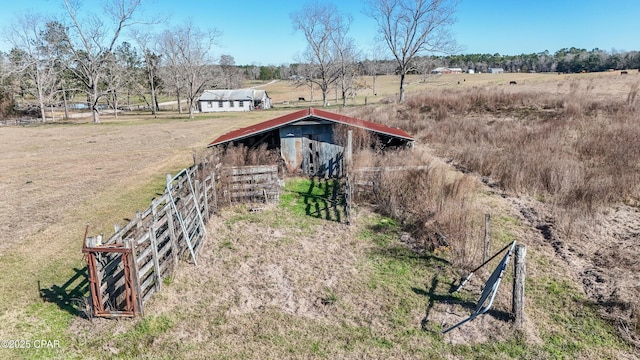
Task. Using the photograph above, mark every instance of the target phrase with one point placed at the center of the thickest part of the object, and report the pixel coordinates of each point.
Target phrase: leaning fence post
(487, 239)
(349, 150)
(214, 191)
(205, 200)
(131, 244)
(519, 274)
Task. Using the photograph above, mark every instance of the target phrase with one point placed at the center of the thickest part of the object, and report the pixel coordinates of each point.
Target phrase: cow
(301, 99)
(512, 82)
(623, 72)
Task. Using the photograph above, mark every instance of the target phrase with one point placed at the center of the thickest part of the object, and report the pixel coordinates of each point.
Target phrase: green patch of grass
(512, 348)
(303, 205)
(380, 230)
(502, 229)
(118, 203)
(43, 333)
(317, 198)
(574, 325)
(227, 244)
(330, 297)
(142, 336)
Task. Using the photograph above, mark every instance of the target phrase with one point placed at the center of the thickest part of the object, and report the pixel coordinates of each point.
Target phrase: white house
(233, 100)
(496, 70)
(445, 70)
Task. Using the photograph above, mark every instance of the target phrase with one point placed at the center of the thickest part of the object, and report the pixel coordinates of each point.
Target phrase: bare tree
(424, 65)
(304, 78)
(6, 89)
(346, 57)
(91, 41)
(35, 58)
(187, 54)
(151, 67)
(169, 45)
(412, 27)
(322, 25)
(124, 75)
(232, 77)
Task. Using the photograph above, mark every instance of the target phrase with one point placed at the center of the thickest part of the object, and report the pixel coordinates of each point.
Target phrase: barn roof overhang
(306, 114)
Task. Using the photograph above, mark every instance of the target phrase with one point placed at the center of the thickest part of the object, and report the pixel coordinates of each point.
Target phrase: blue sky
(261, 33)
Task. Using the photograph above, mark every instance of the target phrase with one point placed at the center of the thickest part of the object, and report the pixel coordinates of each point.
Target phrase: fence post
(154, 246)
(349, 150)
(205, 200)
(519, 274)
(134, 274)
(214, 192)
(173, 238)
(487, 239)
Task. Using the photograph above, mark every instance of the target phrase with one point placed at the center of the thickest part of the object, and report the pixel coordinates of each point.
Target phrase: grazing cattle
(301, 99)
(623, 72)
(512, 82)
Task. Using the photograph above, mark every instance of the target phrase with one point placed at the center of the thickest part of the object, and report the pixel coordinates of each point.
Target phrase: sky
(261, 32)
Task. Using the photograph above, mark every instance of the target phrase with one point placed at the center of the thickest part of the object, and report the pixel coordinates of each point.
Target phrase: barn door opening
(312, 158)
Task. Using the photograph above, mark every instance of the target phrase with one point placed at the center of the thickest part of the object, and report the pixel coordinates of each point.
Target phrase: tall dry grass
(571, 150)
(431, 202)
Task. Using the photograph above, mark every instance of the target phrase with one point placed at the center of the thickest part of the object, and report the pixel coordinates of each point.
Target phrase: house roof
(237, 94)
(304, 114)
(260, 94)
(439, 69)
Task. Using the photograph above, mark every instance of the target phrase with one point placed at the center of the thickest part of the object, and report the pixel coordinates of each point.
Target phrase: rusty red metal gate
(111, 280)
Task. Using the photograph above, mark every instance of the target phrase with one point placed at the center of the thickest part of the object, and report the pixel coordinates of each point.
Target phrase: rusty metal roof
(305, 114)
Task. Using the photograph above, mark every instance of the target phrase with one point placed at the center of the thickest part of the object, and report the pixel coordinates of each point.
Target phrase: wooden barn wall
(309, 148)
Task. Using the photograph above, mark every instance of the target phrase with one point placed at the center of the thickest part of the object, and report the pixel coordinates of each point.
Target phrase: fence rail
(21, 121)
(130, 266)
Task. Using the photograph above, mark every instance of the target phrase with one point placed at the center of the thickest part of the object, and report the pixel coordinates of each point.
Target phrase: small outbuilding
(447, 70)
(496, 70)
(308, 141)
(233, 100)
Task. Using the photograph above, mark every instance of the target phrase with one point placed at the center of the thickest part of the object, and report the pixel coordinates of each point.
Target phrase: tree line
(566, 60)
(83, 57)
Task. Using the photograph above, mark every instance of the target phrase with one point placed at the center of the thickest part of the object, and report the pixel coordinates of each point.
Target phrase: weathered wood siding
(309, 148)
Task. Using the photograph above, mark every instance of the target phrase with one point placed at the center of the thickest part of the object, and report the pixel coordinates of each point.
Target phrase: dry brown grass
(56, 178)
(432, 202)
(573, 150)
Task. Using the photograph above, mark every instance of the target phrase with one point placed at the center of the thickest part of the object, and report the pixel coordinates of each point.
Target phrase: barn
(233, 100)
(308, 141)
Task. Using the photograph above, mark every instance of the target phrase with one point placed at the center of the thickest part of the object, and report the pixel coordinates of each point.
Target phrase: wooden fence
(250, 184)
(128, 268)
(365, 181)
(21, 121)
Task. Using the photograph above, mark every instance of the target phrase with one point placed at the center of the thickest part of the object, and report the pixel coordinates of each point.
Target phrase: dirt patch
(601, 254)
(251, 267)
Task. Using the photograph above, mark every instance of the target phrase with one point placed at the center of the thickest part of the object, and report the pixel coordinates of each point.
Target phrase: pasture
(279, 283)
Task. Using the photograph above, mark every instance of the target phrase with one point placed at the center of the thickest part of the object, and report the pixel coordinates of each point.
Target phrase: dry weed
(424, 195)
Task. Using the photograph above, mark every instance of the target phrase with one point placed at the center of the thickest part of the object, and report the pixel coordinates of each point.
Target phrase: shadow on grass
(71, 295)
(324, 200)
(436, 295)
